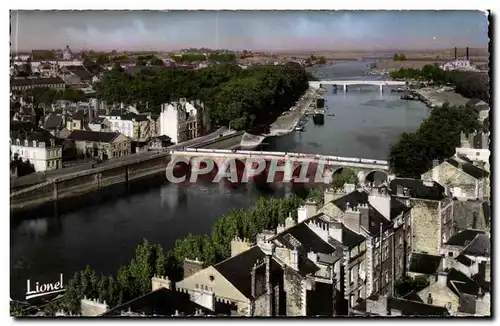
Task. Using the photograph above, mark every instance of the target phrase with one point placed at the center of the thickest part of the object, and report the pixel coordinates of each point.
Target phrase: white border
(192, 5)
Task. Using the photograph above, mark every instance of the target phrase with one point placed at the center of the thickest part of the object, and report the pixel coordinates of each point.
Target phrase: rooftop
(468, 168)
(35, 81)
(93, 136)
(424, 263)
(418, 188)
(463, 238)
(162, 302)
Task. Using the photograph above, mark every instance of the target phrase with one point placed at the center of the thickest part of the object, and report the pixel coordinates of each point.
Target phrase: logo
(38, 290)
(299, 170)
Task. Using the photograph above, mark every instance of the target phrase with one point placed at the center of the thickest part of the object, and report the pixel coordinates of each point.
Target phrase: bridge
(293, 161)
(345, 83)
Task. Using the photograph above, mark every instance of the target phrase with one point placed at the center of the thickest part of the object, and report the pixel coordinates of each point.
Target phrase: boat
(331, 114)
(300, 128)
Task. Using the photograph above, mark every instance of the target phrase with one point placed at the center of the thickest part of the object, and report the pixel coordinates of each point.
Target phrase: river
(102, 230)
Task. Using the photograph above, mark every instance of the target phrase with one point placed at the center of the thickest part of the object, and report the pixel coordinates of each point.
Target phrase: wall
(39, 156)
(169, 124)
(461, 184)
(293, 289)
(426, 226)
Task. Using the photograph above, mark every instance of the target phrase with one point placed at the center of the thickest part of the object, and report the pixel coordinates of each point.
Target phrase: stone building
(42, 150)
(138, 127)
(475, 147)
(184, 120)
(463, 179)
(102, 145)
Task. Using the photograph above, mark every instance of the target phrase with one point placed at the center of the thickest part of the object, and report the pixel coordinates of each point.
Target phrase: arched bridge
(345, 83)
(294, 162)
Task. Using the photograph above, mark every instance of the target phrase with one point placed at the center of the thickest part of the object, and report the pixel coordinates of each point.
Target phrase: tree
(436, 138)
(343, 177)
(399, 57)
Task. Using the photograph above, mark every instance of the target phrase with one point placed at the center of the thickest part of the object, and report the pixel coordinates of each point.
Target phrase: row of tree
(134, 279)
(436, 138)
(247, 97)
(399, 57)
(467, 83)
(47, 96)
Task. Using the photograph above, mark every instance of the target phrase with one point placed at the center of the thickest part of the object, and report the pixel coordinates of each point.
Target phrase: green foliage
(43, 55)
(343, 177)
(436, 138)
(399, 57)
(468, 84)
(315, 194)
(246, 97)
(18, 309)
(189, 57)
(223, 57)
(408, 284)
(47, 96)
(134, 279)
(313, 60)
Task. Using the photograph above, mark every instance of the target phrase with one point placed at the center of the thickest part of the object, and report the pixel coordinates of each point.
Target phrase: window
(375, 285)
(352, 273)
(450, 254)
(353, 300)
(386, 277)
(375, 258)
(401, 239)
(360, 294)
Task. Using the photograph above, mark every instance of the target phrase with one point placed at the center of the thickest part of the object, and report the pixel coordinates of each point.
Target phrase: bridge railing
(282, 154)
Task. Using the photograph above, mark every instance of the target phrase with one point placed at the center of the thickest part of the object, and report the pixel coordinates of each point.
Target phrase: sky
(250, 30)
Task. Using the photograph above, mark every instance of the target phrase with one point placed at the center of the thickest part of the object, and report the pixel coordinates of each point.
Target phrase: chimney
(364, 215)
(399, 190)
(311, 207)
(467, 52)
(192, 267)
(239, 245)
(441, 278)
(335, 231)
(289, 222)
(380, 199)
(464, 140)
(429, 299)
(352, 218)
(294, 259)
(455, 53)
(435, 171)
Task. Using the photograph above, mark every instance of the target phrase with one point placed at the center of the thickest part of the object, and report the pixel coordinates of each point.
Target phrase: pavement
(287, 123)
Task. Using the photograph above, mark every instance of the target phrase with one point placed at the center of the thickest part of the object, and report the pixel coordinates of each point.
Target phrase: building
(102, 145)
(184, 120)
(159, 142)
(138, 127)
(75, 75)
(100, 124)
(67, 54)
(39, 148)
(475, 147)
(26, 83)
(481, 107)
(463, 179)
(384, 306)
(463, 65)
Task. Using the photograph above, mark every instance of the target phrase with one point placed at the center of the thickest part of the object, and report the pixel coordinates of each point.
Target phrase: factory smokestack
(455, 53)
(467, 52)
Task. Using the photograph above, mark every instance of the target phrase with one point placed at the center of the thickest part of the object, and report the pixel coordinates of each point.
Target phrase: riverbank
(437, 96)
(287, 122)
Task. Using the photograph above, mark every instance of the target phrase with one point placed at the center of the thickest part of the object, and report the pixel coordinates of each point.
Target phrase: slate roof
(461, 237)
(38, 135)
(480, 246)
(93, 136)
(413, 296)
(464, 260)
(79, 115)
(237, 269)
(468, 168)
(162, 302)
(459, 283)
(53, 121)
(351, 238)
(424, 263)
(417, 188)
(407, 307)
(35, 81)
(309, 240)
(360, 197)
(415, 308)
(80, 71)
